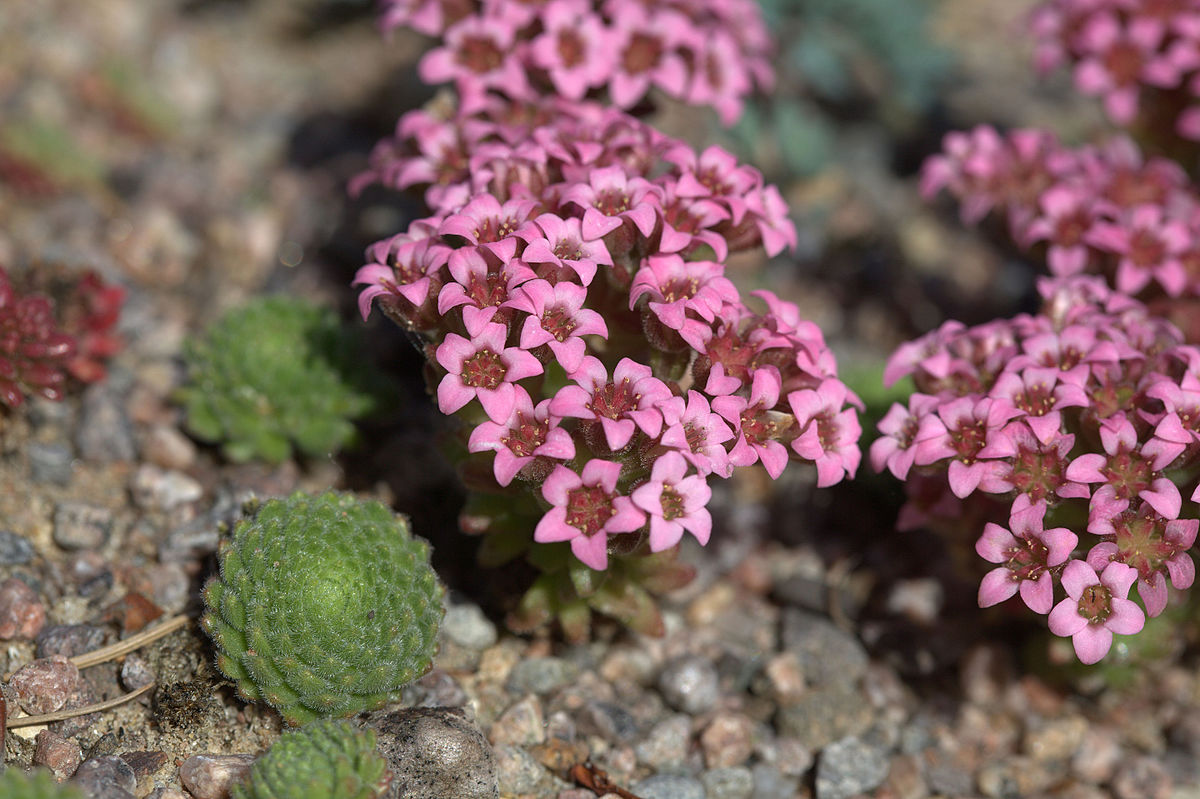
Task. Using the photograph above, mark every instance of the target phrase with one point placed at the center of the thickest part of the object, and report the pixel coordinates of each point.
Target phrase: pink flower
(574, 48)
(829, 435)
(529, 432)
(1067, 213)
(646, 43)
(1038, 393)
(1096, 607)
(482, 368)
(480, 281)
(674, 503)
(1151, 545)
(1037, 469)
(478, 54)
(620, 406)
(894, 449)
(404, 266)
(554, 244)
(557, 319)
(697, 432)
(609, 197)
(1149, 246)
(586, 509)
(484, 221)
(1027, 556)
(679, 291)
(756, 422)
(721, 77)
(1126, 472)
(967, 430)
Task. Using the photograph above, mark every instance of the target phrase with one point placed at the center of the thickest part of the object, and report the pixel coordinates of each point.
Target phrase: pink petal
(1092, 643)
(996, 586)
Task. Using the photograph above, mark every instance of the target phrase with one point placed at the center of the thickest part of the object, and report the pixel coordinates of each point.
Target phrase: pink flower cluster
(704, 52)
(1088, 411)
(571, 293)
(1102, 210)
(1128, 52)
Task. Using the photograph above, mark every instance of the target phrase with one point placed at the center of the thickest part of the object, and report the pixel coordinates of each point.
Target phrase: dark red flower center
(484, 369)
(589, 508)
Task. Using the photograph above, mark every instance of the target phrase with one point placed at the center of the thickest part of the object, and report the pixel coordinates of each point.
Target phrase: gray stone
(823, 716)
(522, 724)
(15, 550)
(541, 675)
(104, 433)
(50, 463)
(69, 640)
(519, 773)
(611, 721)
(466, 626)
(670, 786)
(666, 746)
(690, 684)
(435, 753)
(211, 776)
(735, 782)
(136, 672)
(107, 777)
(1142, 777)
(827, 653)
(162, 489)
(78, 525)
(848, 767)
(769, 783)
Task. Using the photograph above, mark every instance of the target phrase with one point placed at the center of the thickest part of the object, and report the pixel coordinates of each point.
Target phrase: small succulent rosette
(325, 606)
(570, 294)
(322, 760)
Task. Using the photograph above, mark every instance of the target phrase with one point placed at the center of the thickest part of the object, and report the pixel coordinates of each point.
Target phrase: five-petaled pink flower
(1096, 607)
(674, 502)
(557, 319)
(829, 434)
(629, 401)
(1027, 556)
(586, 508)
(482, 368)
(529, 432)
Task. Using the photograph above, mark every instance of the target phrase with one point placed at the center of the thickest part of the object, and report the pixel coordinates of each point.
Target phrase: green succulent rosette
(322, 760)
(276, 374)
(325, 606)
(36, 784)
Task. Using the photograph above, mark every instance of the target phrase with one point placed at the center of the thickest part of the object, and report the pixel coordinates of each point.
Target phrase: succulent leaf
(324, 606)
(36, 784)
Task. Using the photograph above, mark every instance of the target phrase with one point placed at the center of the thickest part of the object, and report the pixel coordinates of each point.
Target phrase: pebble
(50, 463)
(78, 525)
(905, 781)
(665, 747)
(15, 550)
(827, 654)
(44, 685)
(169, 448)
(769, 783)
(611, 721)
(22, 614)
(823, 716)
(848, 767)
(1098, 755)
(167, 793)
(736, 782)
(919, 600)
(168, 585)
(435, 753)
(107, 777)
(69, 640)
(519, 772)
(522, 724)
(136, 672)
(160, 489)
(541, 675)
(1058, 739)
(465, 625)
(211, 776)
(793, 758)
(669, 786)
(190, 541)
(785, 677)
(145, 762)
(104, 433)
(60, 755)
(1141, 777)
(728, 740)
(947, 774)
(690, 684)
(437, 688)
(1013, 777)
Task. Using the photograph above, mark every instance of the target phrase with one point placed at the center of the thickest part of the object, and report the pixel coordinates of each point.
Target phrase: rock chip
(1142, 777)
(669, 786)
(22, 614)
(825, 715)
(15, 550)
(44, 685)
(107, 777)
(161, 489)
(522, 724)
(666, 745)
(78, 525)
(690, 684)
(736, 782)
(60, 755)
(169, 448)
(848, 767)
(435, 753)
(465, 625)
(50, 463)
(827, 653)
(69, 640)
(104, 433)
(541, 675)
(728, 740)
(211, 776)
(136, 672)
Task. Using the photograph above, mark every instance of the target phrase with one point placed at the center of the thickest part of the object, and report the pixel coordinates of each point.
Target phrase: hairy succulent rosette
(36, 784)
(34, 353)
(275, 375)
(322, 760)
(324, 606)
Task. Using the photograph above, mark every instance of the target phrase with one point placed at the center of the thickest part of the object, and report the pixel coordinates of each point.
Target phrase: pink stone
(212, 776)
(22, 614)
(728, 740)
(46, 684)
